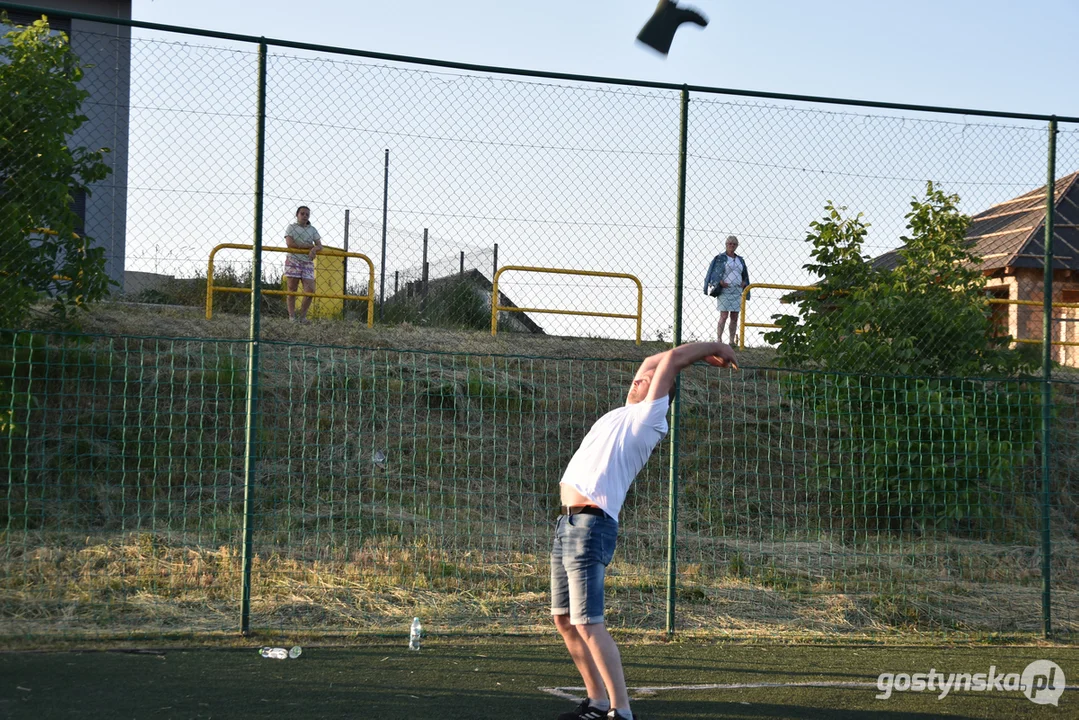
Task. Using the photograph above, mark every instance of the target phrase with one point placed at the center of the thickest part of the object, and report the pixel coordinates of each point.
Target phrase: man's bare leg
(582, 658)
(605, 656)
(734, 329)
(719, 327)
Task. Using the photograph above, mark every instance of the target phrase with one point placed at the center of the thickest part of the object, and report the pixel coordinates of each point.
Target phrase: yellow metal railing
(496, 308)
(745, 291)
(992, 301)
(369, 297)
(1038, 303)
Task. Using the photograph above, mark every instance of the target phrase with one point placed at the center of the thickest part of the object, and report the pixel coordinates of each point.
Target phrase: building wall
(108, 49)
(1025, 321)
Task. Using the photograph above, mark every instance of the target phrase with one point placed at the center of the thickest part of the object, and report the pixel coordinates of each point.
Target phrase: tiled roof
(1012, 233)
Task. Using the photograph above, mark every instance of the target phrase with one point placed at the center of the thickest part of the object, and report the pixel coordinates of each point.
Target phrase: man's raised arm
(649, 365)
(669, 364)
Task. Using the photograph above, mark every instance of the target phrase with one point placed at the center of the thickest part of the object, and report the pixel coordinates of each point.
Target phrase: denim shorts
(583, 547)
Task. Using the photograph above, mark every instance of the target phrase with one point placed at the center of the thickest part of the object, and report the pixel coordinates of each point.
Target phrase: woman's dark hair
(302, 207)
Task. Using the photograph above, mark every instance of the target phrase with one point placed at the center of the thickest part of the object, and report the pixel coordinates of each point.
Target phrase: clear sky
(986, 54)
(579, 176)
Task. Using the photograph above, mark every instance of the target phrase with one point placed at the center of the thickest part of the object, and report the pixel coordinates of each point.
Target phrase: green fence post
(672, 500)
(251, 428)
(1047, 374)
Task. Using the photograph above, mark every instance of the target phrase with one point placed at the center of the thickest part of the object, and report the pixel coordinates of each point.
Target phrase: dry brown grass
(115, 586)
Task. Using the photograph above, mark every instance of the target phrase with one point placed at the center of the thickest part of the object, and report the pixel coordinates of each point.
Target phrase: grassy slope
(456, 522)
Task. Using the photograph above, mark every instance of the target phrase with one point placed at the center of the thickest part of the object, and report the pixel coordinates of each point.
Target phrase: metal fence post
(676, 339)
(385, 212)
(344, 260)
(423, 284)
(251, 428)
(1047, 375)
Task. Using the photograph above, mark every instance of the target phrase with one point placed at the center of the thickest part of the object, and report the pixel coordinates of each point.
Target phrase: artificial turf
(501, 678)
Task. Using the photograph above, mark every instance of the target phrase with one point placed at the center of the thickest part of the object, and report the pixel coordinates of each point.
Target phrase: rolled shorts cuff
(560, 611)
(586, 620)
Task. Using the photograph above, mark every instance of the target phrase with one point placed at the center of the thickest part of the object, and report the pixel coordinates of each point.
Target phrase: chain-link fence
(411, 467)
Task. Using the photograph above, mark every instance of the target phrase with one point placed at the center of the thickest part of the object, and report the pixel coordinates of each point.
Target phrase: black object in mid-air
(658, 32)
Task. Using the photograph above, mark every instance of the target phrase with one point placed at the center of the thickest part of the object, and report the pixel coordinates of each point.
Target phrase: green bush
(450, 304)
(44, 251)
(929, 315)
(942, 453)
(914, 443)
(192, 292)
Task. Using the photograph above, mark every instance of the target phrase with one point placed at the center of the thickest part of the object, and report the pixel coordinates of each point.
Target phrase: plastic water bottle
(414, 634)
(280, 653)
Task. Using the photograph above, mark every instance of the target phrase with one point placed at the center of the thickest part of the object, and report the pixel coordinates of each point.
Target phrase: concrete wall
(136, 282)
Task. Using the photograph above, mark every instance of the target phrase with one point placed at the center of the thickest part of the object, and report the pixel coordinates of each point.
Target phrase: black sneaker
(584, 711)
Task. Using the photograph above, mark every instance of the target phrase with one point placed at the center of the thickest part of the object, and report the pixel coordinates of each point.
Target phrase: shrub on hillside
(45, 252)
(931, 413)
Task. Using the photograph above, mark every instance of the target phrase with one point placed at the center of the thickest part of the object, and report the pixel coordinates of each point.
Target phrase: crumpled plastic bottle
(414, 634)
(280, 653)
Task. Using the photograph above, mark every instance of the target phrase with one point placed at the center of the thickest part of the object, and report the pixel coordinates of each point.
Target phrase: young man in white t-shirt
(593, 489)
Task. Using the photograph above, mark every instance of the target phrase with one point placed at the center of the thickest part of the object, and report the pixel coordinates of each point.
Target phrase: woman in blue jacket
(727, 277)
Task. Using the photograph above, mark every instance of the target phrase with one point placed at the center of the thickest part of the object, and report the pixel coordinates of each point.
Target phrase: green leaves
(942, 453)
(927, 316)
(911, 442)
(41, 253)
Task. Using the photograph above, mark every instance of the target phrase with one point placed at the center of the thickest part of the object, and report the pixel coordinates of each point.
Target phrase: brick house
(1010, 239)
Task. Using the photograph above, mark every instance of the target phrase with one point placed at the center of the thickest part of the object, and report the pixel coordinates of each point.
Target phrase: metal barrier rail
(745, 291)
(369, 297)
(992, 301)
(1038, 304)
(495, 307)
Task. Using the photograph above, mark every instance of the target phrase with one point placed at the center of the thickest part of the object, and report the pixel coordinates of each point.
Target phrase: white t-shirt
(614, 451)
(732, 274)
(305, 237)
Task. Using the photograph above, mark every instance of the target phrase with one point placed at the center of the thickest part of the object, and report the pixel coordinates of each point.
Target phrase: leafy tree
(918, 437)
(927, 316)
(41, 252)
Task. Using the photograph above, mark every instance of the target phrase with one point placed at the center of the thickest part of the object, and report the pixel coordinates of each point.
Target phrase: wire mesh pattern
(763, 173)
(423, 483)
(390, 482)
(124, 483)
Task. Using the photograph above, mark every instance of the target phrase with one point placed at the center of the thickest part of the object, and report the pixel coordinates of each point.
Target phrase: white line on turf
(566, 693)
